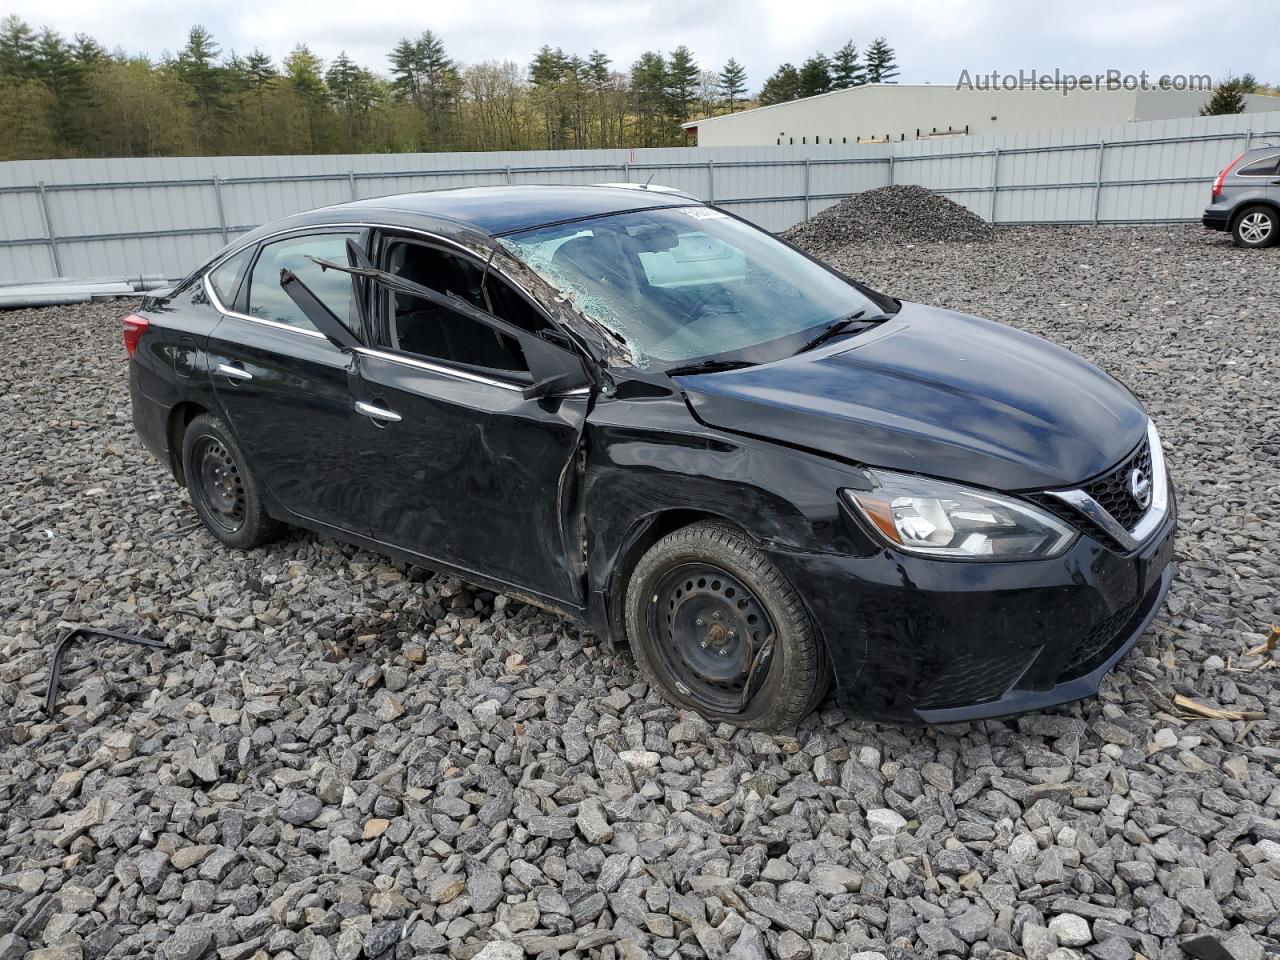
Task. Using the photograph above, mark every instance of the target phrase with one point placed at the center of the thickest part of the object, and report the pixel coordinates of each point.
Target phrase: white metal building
(892, 112)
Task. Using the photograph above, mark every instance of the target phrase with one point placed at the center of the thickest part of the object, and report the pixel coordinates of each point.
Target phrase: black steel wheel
(223, 488)
(717, 628)
(711, 631)
(218, 483)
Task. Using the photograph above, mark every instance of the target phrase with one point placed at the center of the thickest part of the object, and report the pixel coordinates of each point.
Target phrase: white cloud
(935, 39)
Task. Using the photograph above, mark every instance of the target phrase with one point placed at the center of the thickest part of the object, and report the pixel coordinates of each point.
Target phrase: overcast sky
(935, 39)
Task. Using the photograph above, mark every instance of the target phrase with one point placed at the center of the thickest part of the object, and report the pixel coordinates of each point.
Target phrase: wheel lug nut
(698, 622)
(724, 652)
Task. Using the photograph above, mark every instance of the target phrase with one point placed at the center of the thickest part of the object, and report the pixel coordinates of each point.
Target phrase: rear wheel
(223, 488)
(1256, 227)
(718, 629)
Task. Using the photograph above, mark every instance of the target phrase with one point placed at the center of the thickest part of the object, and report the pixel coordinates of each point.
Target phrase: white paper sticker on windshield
(703, 213)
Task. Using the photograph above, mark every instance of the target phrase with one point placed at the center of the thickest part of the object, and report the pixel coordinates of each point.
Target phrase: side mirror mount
(321, 317)
(571, 377)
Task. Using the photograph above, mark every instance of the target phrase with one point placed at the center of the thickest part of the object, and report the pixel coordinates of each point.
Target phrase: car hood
(938, 393)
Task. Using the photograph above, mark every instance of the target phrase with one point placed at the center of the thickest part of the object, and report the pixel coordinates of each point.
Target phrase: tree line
(64, 97)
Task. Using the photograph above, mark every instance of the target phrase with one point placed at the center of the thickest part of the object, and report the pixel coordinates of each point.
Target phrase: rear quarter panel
(170, 366)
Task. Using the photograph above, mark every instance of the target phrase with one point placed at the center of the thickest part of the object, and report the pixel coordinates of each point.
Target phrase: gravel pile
(342, 758)
(898, 214)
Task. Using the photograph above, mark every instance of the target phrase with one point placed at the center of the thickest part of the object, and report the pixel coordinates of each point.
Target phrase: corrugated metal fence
(159, 217)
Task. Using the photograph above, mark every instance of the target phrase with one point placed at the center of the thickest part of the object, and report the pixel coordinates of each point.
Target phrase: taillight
(1217, 184)
(134, 327)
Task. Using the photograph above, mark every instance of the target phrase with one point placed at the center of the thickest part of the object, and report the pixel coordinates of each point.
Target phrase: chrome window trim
(367, 225)
(457, 373)
(454, 372)
(1243, 171)
(213, 298)
(1151, 520)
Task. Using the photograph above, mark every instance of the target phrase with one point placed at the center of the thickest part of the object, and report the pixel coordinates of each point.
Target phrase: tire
(222, 486)
(1257, 226)
(672, 633)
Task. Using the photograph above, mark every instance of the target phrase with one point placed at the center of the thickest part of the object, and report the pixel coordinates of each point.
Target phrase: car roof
(505, 209)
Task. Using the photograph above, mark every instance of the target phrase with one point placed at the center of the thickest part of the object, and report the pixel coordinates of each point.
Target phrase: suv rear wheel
(1255, 227)
(717, 628)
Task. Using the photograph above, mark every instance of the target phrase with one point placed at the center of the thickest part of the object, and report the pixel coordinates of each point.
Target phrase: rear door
(465, 470)
(285, 389)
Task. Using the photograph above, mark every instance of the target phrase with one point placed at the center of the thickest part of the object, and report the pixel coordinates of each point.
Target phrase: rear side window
(267, 299)
(228, 275)
(1266, 167)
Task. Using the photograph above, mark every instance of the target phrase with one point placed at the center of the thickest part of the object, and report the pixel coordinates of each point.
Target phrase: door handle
(233, 371)
(375, 412)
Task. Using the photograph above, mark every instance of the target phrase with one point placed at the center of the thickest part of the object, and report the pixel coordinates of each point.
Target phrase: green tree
(17, 49)
(815, 76)
(846, 68)
(259, 71)
(207, 81)
(1228, 97)
(64, 76)
(354, 92)
(649, 99)
(423, 74)
(681, 86)
(304, 75)
(784, 85)
(882, 62)
(547, 73)
(733, 83)
(87, 50)
(140, 111)
(25, 109)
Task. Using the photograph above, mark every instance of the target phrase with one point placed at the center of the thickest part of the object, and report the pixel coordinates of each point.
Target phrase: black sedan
(672, 427)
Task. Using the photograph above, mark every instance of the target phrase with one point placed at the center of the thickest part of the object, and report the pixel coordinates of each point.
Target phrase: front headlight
(940, 519)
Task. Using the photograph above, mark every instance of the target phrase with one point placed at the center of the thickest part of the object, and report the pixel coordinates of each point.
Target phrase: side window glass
(267, 299)
(1265, 167)
(424, 329)
(227, 276)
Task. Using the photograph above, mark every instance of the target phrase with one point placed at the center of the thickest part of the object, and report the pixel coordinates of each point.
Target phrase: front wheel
(223, 488)
(1256, 227)
(717, 628)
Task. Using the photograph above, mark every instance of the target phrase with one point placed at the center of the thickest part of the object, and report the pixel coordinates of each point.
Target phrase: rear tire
(223, 488)
(1256, 227)
(700, 605)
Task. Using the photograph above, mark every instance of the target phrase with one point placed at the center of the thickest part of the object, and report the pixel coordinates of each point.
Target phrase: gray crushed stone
(903, 213)
(343, 758)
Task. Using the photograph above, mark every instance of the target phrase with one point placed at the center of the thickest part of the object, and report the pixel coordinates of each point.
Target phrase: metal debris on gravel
(341, 757)
(897, 214)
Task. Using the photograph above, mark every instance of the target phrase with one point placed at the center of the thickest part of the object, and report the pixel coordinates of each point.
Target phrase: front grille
(1077, 519)
(1112, 489)
(973, 677)
(1098, 644)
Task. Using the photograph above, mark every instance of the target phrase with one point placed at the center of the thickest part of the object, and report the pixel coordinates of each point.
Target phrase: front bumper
(926, 641)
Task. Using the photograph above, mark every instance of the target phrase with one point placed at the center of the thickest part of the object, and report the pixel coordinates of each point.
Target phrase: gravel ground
(903, 213)
(341, 757)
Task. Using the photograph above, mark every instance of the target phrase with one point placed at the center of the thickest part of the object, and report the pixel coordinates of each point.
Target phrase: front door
(468, 472)
(286, 390)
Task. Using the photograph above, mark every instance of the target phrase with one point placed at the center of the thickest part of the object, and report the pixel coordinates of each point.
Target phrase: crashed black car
(641, 411)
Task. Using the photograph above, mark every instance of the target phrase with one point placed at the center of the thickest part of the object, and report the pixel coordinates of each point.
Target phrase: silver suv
(1246, 198)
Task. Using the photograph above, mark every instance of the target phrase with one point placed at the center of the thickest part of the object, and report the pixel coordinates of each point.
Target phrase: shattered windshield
(688, 283)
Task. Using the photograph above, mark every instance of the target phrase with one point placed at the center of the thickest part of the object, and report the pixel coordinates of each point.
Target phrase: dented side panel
(648, 459)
